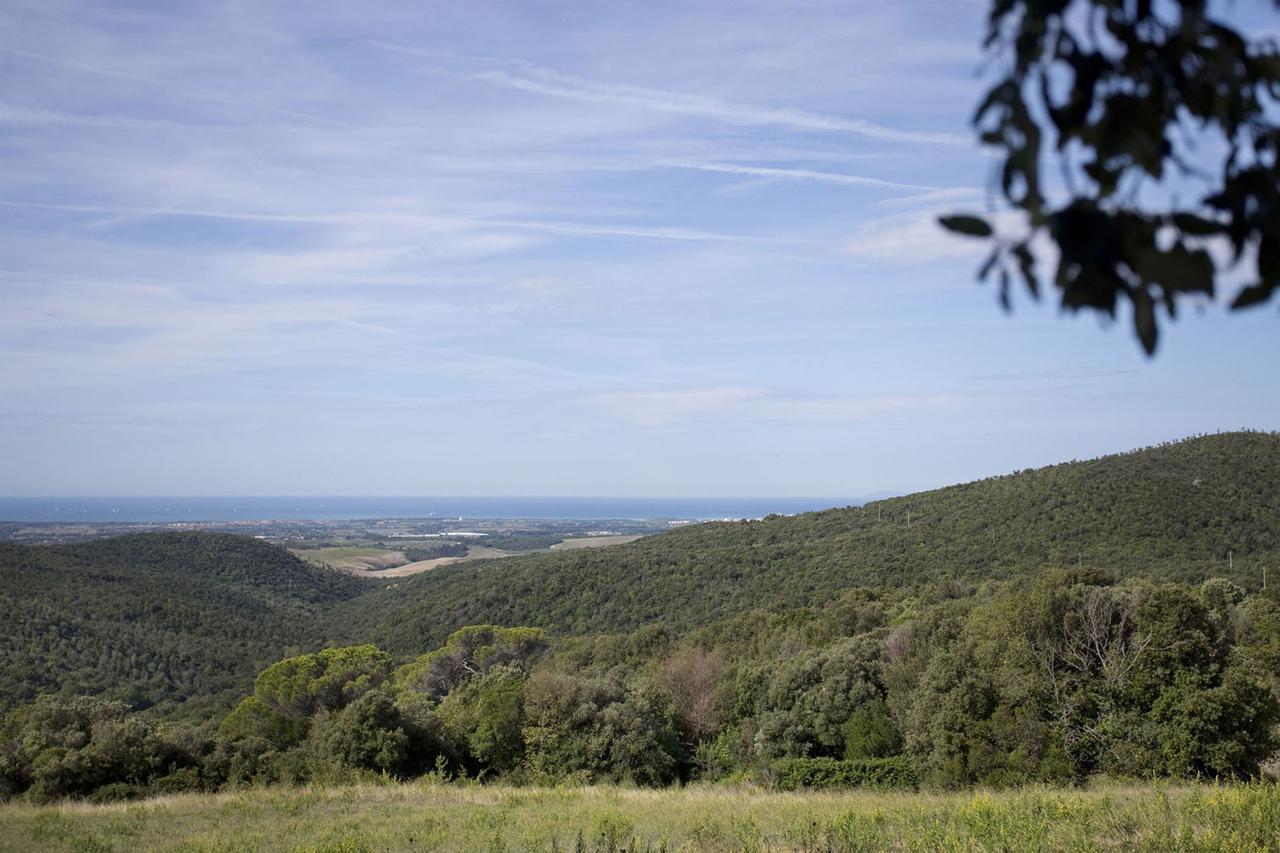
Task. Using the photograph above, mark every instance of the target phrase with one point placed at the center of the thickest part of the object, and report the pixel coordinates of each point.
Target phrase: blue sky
(535, 248)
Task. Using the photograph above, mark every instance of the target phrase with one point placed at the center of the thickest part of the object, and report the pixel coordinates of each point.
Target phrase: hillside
(181, 620)
(1172, 511)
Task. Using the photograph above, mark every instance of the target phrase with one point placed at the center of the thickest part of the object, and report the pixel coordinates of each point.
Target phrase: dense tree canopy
(1055, 678)
(176, 621)
(180, 624)
(1176, 512)
(1046, 626)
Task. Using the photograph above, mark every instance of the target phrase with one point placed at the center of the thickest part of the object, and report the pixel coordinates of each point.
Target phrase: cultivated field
(592, 542)
(436, 816)
(354, 559)
(474, 552)
(381, 563)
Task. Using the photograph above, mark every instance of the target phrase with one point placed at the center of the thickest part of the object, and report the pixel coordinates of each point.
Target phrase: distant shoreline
(107, 510)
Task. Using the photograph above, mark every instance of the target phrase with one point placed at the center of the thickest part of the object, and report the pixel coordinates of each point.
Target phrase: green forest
(1099, 618)
(1187, 511)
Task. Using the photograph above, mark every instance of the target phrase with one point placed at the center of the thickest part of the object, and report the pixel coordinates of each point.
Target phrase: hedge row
(791, 774)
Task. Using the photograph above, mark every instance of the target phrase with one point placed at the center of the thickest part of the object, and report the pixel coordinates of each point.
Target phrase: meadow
(353, 558)
(433, 815)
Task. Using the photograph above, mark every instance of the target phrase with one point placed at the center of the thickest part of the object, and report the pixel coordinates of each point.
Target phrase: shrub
(367, 734)
(114, 792)
(791, 774)
(181, 781)
(870, 733)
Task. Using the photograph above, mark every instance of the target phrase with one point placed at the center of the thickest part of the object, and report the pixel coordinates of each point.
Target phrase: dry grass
(468, 817)
(592, 542)
(354, 559)
(474, 552)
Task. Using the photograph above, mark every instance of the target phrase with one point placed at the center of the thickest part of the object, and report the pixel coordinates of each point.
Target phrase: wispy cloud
(531, 78)
(402, 220)
(409, 242)
(667, 407)
(909, 239)
(550, 83)
(839, 178)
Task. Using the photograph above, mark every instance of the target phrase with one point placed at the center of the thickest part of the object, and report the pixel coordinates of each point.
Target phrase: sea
(70, 510)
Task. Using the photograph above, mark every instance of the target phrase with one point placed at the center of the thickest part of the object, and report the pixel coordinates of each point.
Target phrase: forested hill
(155, 618)
(184, 621)
(1173, 511)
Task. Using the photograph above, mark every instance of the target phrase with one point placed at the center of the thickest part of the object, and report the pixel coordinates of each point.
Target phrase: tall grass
(436, 816)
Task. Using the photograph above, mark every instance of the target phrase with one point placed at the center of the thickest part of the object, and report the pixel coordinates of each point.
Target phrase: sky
(536, 248)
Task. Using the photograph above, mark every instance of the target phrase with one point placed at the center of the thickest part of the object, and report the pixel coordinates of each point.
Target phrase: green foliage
(1222, 731)
(366, 734)
(178, 621)
(435, 550)
(808, 698)
(325, 681)
(485, 714)
(60, 747)
(791, 774)
(871, 733)
(522, 540)
(796, 638)
(598, 728)
(471, 651)
(1128, 93)
(1056, 680)
(255, 719)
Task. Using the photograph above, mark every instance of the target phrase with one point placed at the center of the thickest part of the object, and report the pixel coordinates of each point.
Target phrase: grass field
(469, 817)
(355, 559)
(474, 552)
(382, 563)
(592, 542)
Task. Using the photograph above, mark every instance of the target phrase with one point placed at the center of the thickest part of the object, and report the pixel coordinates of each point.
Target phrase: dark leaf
(1255, 294)
(1269, 258)
(1144, 320)
(1196, 226)
(989, 264)
(972, 226)
(1178, 269)
(1027, 266)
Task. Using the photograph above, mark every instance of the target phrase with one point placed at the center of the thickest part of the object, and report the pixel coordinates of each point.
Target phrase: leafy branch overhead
(1139, 101)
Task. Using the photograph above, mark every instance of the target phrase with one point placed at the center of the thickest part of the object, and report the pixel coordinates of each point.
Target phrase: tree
(367, 734)
(691, 678)
(1133, 96)
(484, 714)
(469, 652)
(328, 680)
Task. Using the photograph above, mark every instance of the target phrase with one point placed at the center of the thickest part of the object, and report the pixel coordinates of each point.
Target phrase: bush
(114, 792)
(367, 734)
(870, 733)
(186, 780)
(792, 774)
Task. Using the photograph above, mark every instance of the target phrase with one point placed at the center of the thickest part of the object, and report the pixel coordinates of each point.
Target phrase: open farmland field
(353, 558)
(453, 817)
(592, 542)
(474, 552)
(383, 563)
